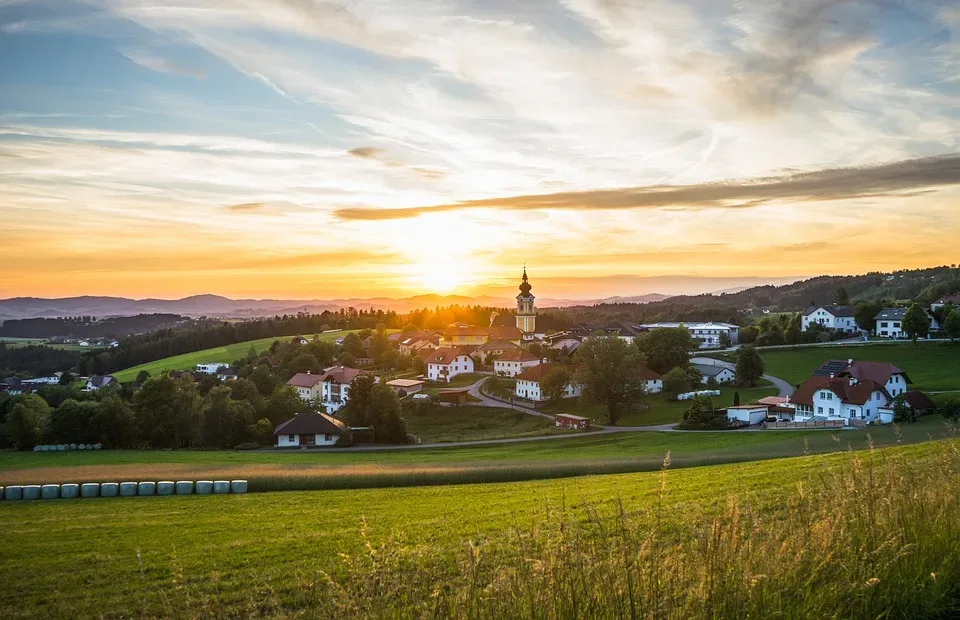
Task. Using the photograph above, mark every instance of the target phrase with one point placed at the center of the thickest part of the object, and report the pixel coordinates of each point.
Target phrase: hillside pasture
(747, 540)
(472, 422)
(227, 354)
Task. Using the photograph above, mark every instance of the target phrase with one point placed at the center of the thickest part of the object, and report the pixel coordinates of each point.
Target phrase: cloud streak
(903, 177)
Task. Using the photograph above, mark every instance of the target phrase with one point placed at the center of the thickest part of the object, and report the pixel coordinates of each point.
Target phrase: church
(526, 310)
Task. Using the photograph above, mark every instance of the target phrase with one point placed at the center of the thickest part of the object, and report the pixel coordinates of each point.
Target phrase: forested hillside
(89, 327)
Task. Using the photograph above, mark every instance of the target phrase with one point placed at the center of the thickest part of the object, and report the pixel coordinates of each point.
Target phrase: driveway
(784, 388)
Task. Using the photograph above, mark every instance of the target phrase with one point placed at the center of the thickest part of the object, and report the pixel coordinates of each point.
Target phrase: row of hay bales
(122, 489)
(66, 447)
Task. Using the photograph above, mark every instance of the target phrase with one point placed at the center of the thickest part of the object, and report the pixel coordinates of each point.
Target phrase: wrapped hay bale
(69, 491)
(31, 491)
(37, 448)
(13, 492)
(61, 447)
(165, 487)
(238, 486)
(96, 446)
(204, 487)
(82, 446)
(73, 446)
(184, 487)
(89, 489)
(128, 489)
(146, 488)
(109, 489)
(45, 448)
(50, 491)
(221, 487)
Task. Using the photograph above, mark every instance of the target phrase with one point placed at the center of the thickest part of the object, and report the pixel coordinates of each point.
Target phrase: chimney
(308, 372)
(850, 362)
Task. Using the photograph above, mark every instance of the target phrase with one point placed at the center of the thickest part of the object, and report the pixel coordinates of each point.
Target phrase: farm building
(406, 386)
(568, 420)
(720, 374)
(652, 381)
(308, 430)
(453, 397)
(747, 414)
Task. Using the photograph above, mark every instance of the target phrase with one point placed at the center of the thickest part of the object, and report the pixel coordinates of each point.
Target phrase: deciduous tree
(749, 366)
(553, 385)
(951, 325)
(610, 372)
(26, 422)
(916, 323)
(665, 348)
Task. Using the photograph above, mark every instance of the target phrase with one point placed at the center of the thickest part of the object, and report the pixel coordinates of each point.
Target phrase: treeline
(36, 360)
(688, 309)
(89, 326)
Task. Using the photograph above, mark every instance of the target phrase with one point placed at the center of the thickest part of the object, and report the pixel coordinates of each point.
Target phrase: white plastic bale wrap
(46, 448)
(146, 488)
(13, 492)
(165, 487)
(50, 491)
(89, 489)
(69, 491)
(61, 447)
(37, 448)
(238, 486)
(109, 489)
(184, 487)
(97, 446)
(128, 489)
(73, 446)
(82, 447)
(221, 487)
(204, 487)
(31, 491)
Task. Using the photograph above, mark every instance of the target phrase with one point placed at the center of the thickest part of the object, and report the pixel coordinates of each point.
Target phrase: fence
(809, 424)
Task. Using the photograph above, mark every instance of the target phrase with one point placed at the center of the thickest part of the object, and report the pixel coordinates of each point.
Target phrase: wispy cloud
(162, 65)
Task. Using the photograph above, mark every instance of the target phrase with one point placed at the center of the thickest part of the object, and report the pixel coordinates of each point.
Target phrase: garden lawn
(552, 457)
(933, 366)
(471, 422)
(382, 552)
(227, 355)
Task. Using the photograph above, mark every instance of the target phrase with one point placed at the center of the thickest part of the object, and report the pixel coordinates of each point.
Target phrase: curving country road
(784, 389)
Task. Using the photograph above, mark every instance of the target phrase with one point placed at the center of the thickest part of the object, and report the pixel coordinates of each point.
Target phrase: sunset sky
(311, 149)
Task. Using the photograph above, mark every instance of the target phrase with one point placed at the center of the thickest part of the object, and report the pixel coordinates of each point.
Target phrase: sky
(316, 149)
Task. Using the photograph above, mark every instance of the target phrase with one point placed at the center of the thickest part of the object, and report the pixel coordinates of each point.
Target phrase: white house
(889, 323)
(652, 381)
(528, 383)
(446, 363)
(893, 379)
(97, 382)
(227, 373)
(211, 368)
(943, 301)
(747, 414)
(332, 388)
(514, 361)
(721, 374)
(839, 318)
(839, 398)
(709, 334)
(309, 430)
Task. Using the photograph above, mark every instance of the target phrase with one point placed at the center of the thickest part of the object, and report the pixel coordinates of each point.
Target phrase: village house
(412, 342)
(403, 387)
(652, 381)
(227, 373)
(299, 340)
(943, 301)
(839, 398)
(332, 387)
(98, 382)
(837, 318)
(893, 379)
(720, 374)
(565, 342)
(889, 323)
(446, 363)
(211, 368)
(709, 334)
(308, 430)
(528, 384)
(492, 349)
(513, 362)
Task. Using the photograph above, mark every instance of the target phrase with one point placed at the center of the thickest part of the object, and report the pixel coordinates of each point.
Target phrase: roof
(876, 371)
(497, 345)
(535, 373)
(304, 380)
(517, 355)
(856, 394)
(954, 299)
(466, 330)
(311, 424)
(230, 371)
(342, 374)
(690, 325)
(444, 355)
(648, 375)
(509, 332)
(710, 370)
(773, 401)
(918, 400)
(890, 314)
(405, 383)
(747, 407)
(570, 416)
(834, 310)
(101, 380)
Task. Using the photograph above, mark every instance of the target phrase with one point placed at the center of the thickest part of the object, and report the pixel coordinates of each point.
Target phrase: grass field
(529, 460)
(227, 354)
(472, 422)
(870, 534)
(660, 409)
(933, 366)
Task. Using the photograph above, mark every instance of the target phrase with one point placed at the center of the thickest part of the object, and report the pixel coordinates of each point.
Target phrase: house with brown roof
(307, 430)
(513, 362)
(331, 387)
(528, 383)
(412, 342)
(893, 379)
(447, 362)
(843, 398)
(491, 350)
(652, 381)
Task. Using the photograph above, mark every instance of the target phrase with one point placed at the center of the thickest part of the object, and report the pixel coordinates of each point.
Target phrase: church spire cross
(524, 285)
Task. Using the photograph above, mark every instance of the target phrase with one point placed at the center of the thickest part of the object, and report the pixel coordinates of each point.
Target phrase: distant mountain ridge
(224, 307)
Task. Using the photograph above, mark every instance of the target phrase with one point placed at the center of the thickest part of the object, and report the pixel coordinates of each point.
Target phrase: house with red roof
(514, 361)
(528, 383)
(308, 430)
(844, 398)
(332, 387)
(446, 363)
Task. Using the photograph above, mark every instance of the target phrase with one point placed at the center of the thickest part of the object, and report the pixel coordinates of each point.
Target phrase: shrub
(247, 446)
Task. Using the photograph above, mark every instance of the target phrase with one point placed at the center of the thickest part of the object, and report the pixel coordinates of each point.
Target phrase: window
(832, 411)
(327, 437)
(291, 437)
(819, 409)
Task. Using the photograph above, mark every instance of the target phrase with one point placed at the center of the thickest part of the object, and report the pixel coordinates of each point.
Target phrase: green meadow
(861, 534)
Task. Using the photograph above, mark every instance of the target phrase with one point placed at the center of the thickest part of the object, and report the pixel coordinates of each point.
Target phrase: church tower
(526, 311)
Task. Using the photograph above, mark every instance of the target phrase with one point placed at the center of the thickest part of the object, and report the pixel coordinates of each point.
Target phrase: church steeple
(524, 285)
(526, 310)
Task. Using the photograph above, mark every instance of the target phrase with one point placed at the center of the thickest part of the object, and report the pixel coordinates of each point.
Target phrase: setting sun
(440, 277)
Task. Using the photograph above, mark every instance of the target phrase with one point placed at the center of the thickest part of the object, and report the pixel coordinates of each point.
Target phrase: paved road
(784, 388)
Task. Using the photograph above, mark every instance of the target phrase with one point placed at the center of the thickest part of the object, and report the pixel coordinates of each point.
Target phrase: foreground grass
(933, 366)
(869, 534)
(227, 354)
(472, 422)
(529, 460)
